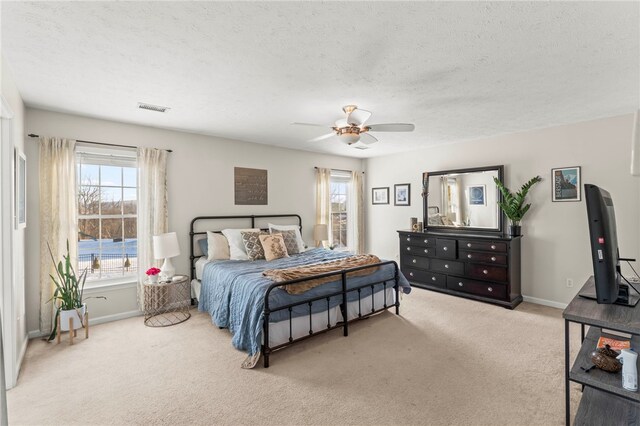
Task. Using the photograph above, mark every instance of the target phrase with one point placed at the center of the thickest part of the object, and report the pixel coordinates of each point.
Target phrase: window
(340, 185)
(107, 213)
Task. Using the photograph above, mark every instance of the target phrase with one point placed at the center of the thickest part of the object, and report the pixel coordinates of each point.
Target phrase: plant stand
(73, 332)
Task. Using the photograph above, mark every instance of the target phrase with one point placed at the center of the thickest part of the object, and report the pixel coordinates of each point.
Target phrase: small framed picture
(380, 195)
(477, 195)
(402, 194)
(566, 184)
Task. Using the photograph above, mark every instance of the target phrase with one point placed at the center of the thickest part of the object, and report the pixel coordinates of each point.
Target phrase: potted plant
(152, 273)
(513, 204)
(68, 294)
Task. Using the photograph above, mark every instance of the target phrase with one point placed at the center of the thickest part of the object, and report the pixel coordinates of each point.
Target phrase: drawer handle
(444, 248)
(468, 256)
(460, 284)
(433, 278)
(426, 241)
(410, 274)
(414, 261)
(426, 251)
(493, 247)
(446, 266)
(493, 258)
(468, 244)
(408, 248)
(484, 271)
(408, 238)
(490, 289)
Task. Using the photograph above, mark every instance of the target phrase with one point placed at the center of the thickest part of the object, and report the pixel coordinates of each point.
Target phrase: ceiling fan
(352, 128)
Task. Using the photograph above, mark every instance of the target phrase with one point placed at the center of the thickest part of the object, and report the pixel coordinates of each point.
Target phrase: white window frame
(341, 177)
(118, 157)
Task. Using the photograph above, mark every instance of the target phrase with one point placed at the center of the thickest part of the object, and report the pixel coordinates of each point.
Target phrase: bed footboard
(325, 299)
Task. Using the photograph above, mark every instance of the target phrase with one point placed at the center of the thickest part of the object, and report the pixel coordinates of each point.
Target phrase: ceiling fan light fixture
(349, 138)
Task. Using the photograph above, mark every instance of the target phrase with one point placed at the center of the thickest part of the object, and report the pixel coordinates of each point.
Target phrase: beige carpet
(444, 361)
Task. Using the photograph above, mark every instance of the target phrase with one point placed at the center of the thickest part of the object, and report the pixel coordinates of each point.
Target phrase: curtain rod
(338, 170)
(31, 135)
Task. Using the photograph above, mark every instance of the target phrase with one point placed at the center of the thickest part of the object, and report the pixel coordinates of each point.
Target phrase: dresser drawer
(425, 277)
(447, 266)
(492, 273)
(415, 261)
(479, 256)
(498, 291)
(484, 245)
(445, 248)
(418, 251)
(417, 240)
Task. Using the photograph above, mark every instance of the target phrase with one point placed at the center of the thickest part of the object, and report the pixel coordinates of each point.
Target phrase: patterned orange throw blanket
(281, 275)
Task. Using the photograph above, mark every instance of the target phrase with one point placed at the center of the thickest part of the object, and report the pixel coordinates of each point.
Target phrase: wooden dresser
(485, 268)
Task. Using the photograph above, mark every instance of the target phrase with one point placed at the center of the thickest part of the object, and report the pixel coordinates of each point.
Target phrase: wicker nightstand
(167, 303)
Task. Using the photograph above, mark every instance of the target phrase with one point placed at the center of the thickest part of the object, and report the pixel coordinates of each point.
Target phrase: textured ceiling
(246, 70)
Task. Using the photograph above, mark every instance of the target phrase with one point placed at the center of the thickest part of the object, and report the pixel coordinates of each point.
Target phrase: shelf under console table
(480, 267)
(604, 400)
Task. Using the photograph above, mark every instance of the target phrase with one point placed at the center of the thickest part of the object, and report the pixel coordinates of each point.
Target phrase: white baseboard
(544, 302)
(94, 321)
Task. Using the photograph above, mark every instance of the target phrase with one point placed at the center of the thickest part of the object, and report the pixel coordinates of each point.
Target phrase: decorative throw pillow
(217, 246)
(236, 246)
(253, 245)
(273, 245)
(290, 240)
(204, 246)
(296, 228)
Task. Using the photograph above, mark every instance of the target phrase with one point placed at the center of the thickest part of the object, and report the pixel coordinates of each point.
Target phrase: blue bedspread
(233, 293)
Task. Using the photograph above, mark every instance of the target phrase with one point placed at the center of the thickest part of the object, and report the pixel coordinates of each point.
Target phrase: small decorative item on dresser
(513, 204)
(413, 221)
(153, 274)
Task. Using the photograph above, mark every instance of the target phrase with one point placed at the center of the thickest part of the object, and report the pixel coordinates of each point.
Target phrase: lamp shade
(320, 232)
(165, 245)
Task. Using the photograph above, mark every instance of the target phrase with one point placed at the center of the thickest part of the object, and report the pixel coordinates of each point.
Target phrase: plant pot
(514, 230)
(153, 279)
(76, 314)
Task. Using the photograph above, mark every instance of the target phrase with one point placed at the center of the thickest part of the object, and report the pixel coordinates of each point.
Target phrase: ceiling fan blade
(310, 124)
(367, 139)
(392, 127)
(358, 117)
(319, 138)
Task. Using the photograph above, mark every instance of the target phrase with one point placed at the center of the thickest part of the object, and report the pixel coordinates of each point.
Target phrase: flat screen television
(604, 249)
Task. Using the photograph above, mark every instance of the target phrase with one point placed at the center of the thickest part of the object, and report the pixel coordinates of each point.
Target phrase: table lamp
(320, 234)
(165, 246)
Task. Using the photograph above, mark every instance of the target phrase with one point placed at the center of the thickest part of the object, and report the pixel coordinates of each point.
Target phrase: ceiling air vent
(156, 108)
(359, 146)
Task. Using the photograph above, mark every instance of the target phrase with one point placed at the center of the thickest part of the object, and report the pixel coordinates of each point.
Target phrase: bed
(261, 316)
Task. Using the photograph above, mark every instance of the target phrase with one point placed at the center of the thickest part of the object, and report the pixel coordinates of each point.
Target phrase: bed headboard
(201, 224)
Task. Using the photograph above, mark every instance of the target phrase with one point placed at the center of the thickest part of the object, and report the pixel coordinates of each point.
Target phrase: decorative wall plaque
(250, 186)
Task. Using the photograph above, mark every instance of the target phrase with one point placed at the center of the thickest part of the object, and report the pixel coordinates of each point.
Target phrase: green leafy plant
(513, 205)
(69, 289)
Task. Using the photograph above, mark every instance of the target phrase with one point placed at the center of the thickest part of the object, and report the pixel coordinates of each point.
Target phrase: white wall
(14, 322)
(200, 180)
(556, 243)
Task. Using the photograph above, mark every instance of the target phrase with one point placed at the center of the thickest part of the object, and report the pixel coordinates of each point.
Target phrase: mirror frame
(453, 229)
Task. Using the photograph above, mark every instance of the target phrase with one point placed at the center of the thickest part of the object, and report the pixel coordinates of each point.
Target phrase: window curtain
(355, 213)
(323, 199)
(152, 208)
(57, 195)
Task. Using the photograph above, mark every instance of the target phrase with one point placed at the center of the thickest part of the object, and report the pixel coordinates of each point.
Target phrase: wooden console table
(603, 401)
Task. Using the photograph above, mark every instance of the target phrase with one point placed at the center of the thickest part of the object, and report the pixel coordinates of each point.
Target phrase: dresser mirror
(463, 200)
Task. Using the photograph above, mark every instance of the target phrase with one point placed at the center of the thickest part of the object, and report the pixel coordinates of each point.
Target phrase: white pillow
(237, 250)
(218, 246)
(296, 228)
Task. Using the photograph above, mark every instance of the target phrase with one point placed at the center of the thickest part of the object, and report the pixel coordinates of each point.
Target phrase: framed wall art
(477, 195)
(402, 194)
(566, 184)
(250, 187)
(380, 195)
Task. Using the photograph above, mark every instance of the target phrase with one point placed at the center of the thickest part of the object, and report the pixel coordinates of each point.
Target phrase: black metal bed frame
(267, 350)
